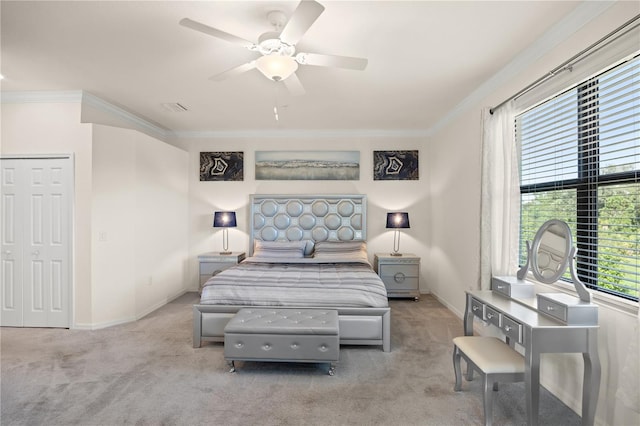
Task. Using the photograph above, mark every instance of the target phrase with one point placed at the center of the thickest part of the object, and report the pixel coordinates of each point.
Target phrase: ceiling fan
(279, 59)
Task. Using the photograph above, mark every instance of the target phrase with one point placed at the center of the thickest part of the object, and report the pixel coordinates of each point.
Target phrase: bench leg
(332, 369)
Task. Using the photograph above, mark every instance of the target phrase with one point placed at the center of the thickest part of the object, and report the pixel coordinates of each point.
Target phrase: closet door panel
(11, 295)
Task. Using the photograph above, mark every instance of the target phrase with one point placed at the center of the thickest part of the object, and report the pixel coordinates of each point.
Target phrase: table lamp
(397, 220)
(224, 220)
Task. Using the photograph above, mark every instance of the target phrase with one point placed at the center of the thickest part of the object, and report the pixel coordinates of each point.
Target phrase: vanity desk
(537, 333)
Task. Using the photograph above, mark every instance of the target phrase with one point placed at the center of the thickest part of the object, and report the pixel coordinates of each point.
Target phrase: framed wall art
(395, 165)
(307, 165)
(221, 166)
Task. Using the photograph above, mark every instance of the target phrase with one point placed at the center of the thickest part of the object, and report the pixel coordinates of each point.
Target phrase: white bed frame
(305, 217)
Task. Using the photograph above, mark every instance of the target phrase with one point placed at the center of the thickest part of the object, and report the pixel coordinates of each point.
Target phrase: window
(580, 162)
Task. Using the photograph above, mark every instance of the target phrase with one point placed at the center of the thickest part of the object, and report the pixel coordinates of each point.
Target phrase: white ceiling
(425, 57)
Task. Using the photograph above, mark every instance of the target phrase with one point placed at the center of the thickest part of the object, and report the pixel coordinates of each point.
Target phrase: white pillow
(279, 249)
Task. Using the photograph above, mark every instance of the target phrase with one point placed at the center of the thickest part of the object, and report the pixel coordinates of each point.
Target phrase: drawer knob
(475, 308)
(507, 328)
(500, 287)
(398, 277)
(549, 308)
(489, 315)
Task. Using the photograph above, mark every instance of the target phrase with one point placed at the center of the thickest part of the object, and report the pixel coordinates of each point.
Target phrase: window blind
(580, 162)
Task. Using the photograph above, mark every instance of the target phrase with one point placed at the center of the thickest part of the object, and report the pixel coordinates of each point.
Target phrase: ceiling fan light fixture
(276, 67)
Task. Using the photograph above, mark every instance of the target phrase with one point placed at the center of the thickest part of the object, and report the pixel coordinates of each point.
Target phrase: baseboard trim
(126, 320)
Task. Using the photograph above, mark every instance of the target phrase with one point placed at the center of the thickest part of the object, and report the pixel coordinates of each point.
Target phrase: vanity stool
(285, 335)
(493, 359)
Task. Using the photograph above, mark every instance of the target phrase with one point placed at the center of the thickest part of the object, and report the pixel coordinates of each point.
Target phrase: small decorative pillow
(345, 251)
(279, 249)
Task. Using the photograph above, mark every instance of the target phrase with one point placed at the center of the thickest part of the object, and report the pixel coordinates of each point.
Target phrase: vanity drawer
(493, 316)
(512, 329)
(513, 287)
(552, 308)
(477, 308)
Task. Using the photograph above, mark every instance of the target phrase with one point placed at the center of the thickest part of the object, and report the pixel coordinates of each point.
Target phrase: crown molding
(128, 117)
(303, 133)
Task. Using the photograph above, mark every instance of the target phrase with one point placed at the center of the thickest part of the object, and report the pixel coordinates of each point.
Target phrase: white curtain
(500, 197)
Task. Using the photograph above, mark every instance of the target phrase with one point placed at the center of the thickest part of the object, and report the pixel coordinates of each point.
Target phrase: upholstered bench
(493, 359)
(286, 335)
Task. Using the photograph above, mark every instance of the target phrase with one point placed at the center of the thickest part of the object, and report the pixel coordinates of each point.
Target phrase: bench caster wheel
(332, 371)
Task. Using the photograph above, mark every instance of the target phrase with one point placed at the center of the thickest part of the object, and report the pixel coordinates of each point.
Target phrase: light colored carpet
(148, 373)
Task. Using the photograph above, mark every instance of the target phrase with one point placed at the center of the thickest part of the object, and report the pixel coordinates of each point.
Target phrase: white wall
(161, 223)
(140, 237)
(383, 196)
(453, 243)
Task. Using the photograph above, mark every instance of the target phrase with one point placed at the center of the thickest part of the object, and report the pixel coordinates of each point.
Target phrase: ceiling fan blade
(234, 71)
(347, 62)
(293, 85)
(303, 17)
(189, 23)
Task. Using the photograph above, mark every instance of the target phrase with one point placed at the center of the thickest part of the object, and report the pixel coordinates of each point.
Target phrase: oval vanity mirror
(551, 251)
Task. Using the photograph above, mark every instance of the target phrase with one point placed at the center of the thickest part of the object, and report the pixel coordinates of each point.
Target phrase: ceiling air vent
(174, 107)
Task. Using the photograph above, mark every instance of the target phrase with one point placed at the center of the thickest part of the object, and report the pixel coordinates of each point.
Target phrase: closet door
(36, 252)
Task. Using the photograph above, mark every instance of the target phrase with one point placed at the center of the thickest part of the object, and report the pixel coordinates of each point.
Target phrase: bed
(305, 251)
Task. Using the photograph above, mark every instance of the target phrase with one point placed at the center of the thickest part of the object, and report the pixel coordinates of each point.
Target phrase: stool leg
(456, 368)
(469, 372)
(487, 397)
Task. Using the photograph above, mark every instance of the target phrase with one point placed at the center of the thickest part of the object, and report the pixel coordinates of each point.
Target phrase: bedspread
(296, 284)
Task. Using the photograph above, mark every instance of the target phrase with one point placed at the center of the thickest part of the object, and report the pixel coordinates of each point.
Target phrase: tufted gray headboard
(307, 217)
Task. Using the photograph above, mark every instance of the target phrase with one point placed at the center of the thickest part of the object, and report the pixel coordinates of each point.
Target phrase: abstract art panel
(307, 165)
(395, 165)
(216, 166)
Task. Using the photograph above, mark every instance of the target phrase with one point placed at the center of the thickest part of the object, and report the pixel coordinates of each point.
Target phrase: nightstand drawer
(398, 272)
(213, 268)
(400, 282)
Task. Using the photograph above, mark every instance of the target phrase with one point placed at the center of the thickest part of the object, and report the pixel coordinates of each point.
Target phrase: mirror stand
(581, 289)
(522, 272)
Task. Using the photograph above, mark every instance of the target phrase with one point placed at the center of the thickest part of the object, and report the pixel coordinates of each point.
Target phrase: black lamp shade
(224, 220)
(398, 220)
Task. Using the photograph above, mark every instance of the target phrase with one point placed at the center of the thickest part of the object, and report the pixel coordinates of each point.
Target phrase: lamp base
(396, 254)
(225, 252)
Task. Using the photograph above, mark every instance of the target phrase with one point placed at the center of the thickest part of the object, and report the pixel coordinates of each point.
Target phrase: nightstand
(400, 274)
(214, 262)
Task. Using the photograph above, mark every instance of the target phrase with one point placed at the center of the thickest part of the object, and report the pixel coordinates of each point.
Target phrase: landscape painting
(221, 166)
(307, 165)
(395, 165)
